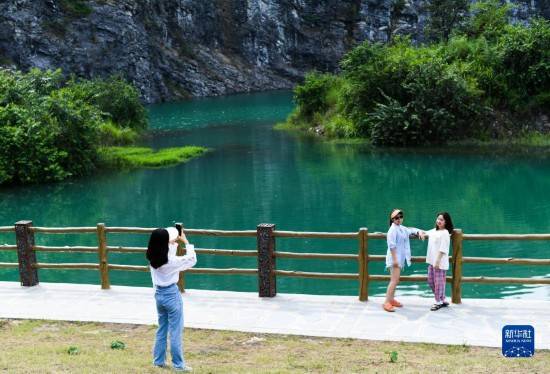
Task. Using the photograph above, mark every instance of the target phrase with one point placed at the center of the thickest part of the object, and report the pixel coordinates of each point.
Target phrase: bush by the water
(406, 94)
(51, 127)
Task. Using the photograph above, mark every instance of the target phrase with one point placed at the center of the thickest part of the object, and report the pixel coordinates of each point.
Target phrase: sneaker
(185, 369)
(388, 307)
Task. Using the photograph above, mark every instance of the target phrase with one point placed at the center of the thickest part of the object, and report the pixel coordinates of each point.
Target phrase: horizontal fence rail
(63, 230)
(7, 247)
(305, 274)
(9, 264)
(507, 237)
(65, 265)
(43, 248)
(266, 255)
(321, 256)
(319, 235)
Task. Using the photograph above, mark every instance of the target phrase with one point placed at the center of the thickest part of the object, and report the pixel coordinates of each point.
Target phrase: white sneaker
(186, 369)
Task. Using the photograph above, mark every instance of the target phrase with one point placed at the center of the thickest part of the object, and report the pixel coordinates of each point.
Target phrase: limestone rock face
(172, 49)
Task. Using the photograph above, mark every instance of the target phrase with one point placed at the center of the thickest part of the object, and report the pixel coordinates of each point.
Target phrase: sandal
(388, 307)
(396, 303)
(445, 304)
(436, 307)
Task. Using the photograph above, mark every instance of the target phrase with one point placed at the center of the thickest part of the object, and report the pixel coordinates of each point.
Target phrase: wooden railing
(266, 253)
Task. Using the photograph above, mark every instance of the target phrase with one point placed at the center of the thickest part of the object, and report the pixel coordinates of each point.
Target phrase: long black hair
(448, 221)
(157, 250)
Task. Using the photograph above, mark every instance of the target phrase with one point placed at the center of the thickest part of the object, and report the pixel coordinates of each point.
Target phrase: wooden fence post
(25, 253)
(363, 264)
(179, 252)
(102, 254)
(456, 295)
(267, 282)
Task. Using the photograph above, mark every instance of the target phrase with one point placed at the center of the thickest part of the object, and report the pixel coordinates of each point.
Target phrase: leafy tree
(311, 96)
(50, 128)
(117, 100)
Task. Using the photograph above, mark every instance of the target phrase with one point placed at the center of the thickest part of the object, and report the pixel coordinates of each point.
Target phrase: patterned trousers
(436, 280)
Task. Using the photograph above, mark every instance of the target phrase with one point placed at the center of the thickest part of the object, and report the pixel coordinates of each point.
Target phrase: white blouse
(438, 241)
(398, 241)
(168, 273)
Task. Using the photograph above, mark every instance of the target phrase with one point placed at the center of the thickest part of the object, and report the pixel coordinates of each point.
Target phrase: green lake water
(255, 174)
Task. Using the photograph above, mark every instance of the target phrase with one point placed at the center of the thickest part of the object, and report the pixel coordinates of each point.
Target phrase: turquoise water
(255, 174)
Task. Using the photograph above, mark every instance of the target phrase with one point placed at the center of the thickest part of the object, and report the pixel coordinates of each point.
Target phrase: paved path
(474, 322)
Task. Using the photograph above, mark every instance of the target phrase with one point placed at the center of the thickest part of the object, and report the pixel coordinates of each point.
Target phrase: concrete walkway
(474, 322)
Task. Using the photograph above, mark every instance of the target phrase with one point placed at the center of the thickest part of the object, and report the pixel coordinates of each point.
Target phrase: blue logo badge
(518, 341)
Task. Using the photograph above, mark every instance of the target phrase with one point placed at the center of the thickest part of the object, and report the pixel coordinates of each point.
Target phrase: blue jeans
(170, 312)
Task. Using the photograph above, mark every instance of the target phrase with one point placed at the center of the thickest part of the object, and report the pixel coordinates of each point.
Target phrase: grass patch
(142, 157)
(209, 351)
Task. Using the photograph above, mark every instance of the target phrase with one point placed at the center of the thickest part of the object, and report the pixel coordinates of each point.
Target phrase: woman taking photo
(165, 268)
(399, 253)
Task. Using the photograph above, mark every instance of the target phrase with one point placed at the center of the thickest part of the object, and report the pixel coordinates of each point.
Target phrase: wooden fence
(266, 253)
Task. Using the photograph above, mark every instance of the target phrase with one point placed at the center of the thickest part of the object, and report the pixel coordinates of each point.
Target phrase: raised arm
(413, 231)
(190, 258)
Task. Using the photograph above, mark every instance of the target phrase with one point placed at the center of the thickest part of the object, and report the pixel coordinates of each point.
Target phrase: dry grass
(42, 347)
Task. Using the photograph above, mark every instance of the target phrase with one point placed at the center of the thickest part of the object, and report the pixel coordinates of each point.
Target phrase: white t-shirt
(168, 273)
(438, 241)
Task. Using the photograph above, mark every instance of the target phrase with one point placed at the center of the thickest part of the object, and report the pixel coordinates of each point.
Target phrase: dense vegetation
(479, 77)
(52, 127)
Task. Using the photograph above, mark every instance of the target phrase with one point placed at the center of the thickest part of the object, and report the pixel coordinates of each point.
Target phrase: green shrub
(117, 100)
(46, 133)
(73, 350)
(111, 134)
(373, 71)
(392, 124)
(117, 344)
(489, 81)
(339, 126)
(524, 66)
(51, 129)
(311, 95)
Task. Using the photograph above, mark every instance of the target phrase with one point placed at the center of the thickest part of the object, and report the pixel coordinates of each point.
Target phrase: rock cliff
(179, 48)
